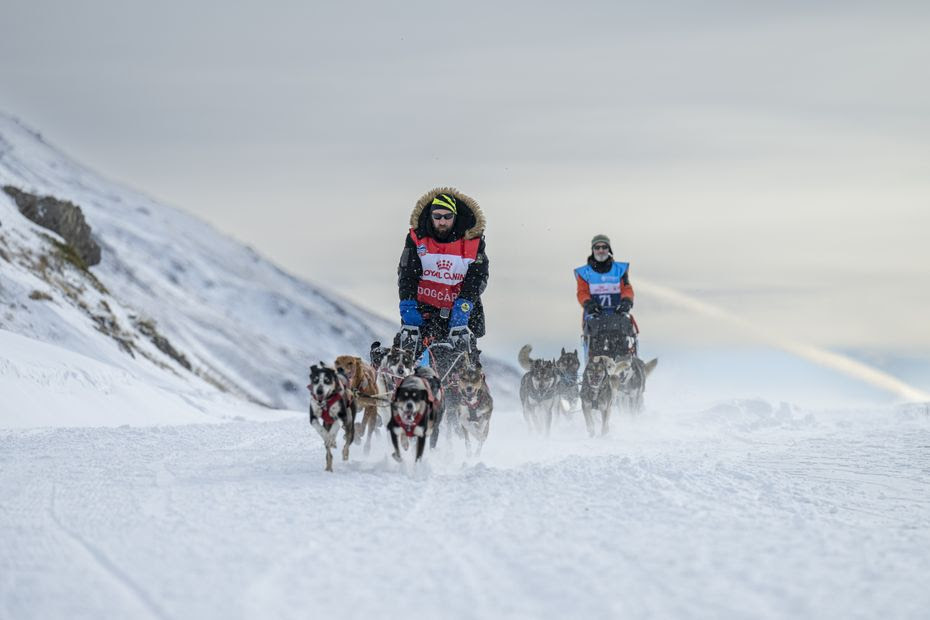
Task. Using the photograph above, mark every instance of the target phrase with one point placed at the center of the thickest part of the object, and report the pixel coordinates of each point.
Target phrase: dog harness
(431, 405)
(444, 268)
(543, 393)
(328, 419)
(409, 427)
(481, 399)
(568, 379)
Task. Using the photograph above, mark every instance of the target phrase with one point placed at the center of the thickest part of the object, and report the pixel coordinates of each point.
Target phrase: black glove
(592, 307)
(625, 305)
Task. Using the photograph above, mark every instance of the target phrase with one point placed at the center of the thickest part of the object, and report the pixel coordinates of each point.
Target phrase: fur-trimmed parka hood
(469, 221)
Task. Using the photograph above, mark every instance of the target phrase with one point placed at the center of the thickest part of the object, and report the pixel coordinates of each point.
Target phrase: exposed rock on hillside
(60, 216)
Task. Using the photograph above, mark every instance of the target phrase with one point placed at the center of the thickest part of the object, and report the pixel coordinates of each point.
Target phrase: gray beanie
(601, 239)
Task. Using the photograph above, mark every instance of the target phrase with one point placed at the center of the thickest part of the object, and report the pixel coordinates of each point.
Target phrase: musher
(443, 269)
(604, 289)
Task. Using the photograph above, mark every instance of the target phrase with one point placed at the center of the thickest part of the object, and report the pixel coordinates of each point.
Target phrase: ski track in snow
(731, 513)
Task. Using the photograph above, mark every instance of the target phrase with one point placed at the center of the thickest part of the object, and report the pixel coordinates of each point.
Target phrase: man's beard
(442, 235)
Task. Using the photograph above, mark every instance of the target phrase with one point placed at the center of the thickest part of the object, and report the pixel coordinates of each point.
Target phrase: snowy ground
(743, 511)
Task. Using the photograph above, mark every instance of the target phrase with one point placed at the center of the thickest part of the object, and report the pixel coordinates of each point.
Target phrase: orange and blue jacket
(607, 282)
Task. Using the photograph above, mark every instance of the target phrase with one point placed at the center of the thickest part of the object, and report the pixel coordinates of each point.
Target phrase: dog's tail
(651, 365)
(526, 362)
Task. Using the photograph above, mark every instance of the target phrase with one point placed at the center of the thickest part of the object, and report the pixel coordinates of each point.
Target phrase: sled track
(117, 576)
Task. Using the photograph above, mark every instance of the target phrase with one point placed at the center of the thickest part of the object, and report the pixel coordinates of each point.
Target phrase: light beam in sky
(835, 361)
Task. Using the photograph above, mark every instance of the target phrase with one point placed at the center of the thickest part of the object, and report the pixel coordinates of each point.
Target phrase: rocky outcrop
(60, 216)
(147, 329)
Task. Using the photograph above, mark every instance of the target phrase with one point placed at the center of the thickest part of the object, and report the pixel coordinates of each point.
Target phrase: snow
(748, 510)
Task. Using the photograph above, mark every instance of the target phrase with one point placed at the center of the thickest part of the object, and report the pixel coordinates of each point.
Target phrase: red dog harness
(481, 398)
(430, 399)
(408, 428)
(327, 418)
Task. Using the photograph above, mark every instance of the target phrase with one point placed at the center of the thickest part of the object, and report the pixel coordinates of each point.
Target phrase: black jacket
(469, 224)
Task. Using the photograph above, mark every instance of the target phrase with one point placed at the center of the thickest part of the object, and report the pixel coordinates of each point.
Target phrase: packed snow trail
(742, 511)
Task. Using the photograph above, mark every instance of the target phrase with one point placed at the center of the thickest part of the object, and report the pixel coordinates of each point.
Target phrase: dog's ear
(651, 365)
(563, 350)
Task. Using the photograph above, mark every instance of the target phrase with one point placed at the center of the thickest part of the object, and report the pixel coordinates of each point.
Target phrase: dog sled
(444, 356)
(613, 338)
(464, 408)
(612, 334)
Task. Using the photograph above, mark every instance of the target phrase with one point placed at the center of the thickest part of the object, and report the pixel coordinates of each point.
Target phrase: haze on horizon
(771, 161)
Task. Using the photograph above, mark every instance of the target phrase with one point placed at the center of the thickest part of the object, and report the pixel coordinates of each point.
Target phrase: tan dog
(361, 382)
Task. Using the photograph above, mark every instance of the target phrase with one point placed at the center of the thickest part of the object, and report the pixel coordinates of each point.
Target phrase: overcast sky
(772, 161)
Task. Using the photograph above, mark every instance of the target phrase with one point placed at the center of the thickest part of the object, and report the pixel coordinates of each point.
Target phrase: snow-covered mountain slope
(171, 295)
(46, 385)
(745, 511)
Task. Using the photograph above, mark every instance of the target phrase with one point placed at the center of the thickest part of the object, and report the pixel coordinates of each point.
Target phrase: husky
(474, 406)
(331, 402)
(568, 396)
(628, 381)
(391, 365)
(414, 408)
(538, 391)
(597, 392)
(439, 401)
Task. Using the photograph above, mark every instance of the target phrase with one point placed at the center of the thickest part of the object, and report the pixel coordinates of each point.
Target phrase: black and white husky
(538, 391)
(331, 405)
(391, 365)
(415, 409)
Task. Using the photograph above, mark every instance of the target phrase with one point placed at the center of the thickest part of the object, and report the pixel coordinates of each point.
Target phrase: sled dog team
(550, 388)
(408, 400)
(442, 272)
